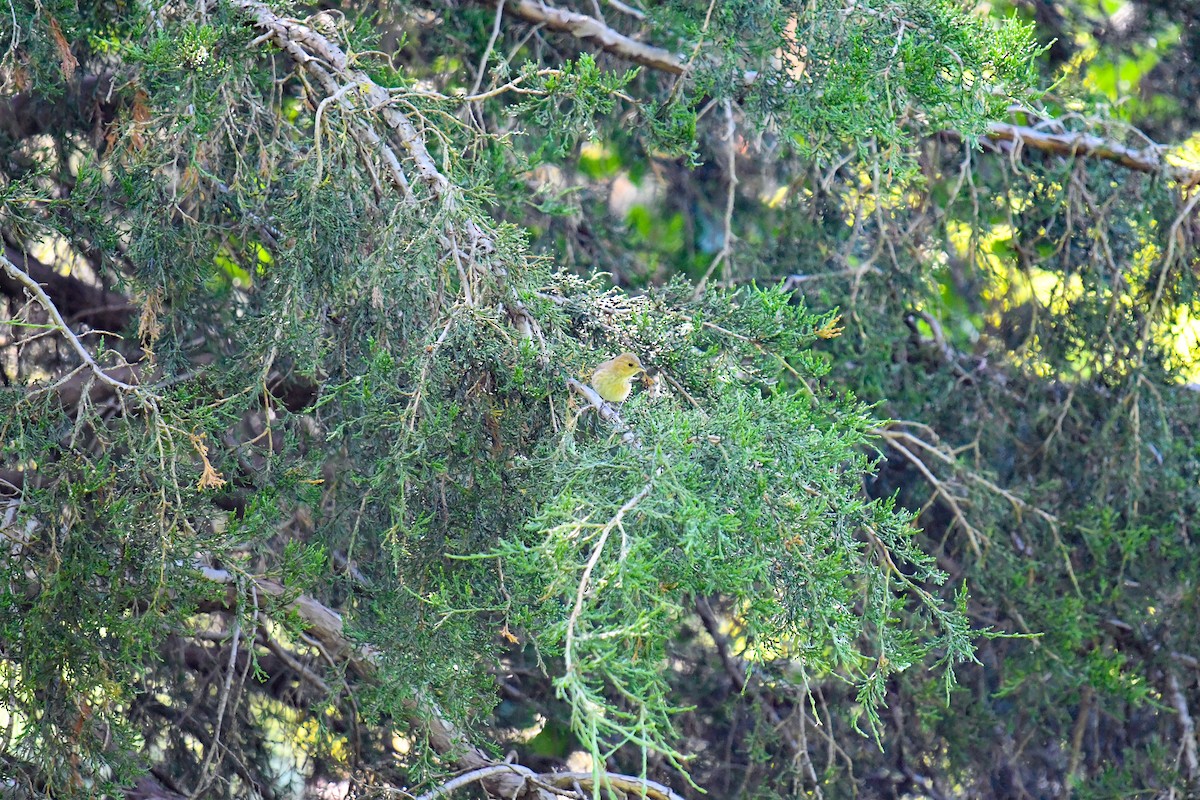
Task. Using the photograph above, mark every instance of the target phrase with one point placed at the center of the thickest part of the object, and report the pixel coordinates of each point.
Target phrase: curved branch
(75, 298)
(590, 29)
(607, 411)
(39, 294)
(330, 65)
(1077, 143)
(566, 784)
(475, 775)
(629, 784)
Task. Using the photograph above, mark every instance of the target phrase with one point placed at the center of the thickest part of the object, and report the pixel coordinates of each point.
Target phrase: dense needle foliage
(304, 490)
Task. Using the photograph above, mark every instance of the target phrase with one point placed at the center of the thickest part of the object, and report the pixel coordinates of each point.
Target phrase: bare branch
(939, 488)
(354, 90)
(1187, 728)
(1148, 159)
(32, 286)
(626, 9)
(607, 411)
(561, 783)
(590, 29)
(487, 52)
(725, 254)
(210, 755)
(476, 775)
(76, 299)
(638, 787)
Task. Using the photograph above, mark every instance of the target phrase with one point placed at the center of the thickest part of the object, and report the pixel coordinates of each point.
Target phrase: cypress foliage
(303, 483)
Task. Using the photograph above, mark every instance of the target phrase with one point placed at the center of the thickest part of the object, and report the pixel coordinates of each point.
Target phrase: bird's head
(628, 364)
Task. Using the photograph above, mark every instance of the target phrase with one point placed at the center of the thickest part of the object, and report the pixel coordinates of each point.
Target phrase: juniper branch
(1148, 159)
(590, 29)
(326, 627)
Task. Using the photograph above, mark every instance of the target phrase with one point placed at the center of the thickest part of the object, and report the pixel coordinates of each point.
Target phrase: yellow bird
(613, 379)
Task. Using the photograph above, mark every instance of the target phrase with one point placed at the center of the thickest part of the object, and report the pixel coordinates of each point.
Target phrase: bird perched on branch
(613, 379)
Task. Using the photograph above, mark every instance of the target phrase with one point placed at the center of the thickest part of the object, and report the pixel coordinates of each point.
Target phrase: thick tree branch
(565, 784)
(331, 67)
(590, 29)
(629, 785)
(324, 624)
(354, 90)
(1075, 143)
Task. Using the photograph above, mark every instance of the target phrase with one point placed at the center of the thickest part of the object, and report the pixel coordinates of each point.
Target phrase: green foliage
(868, 81)
(572, 97)
(357, 313)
